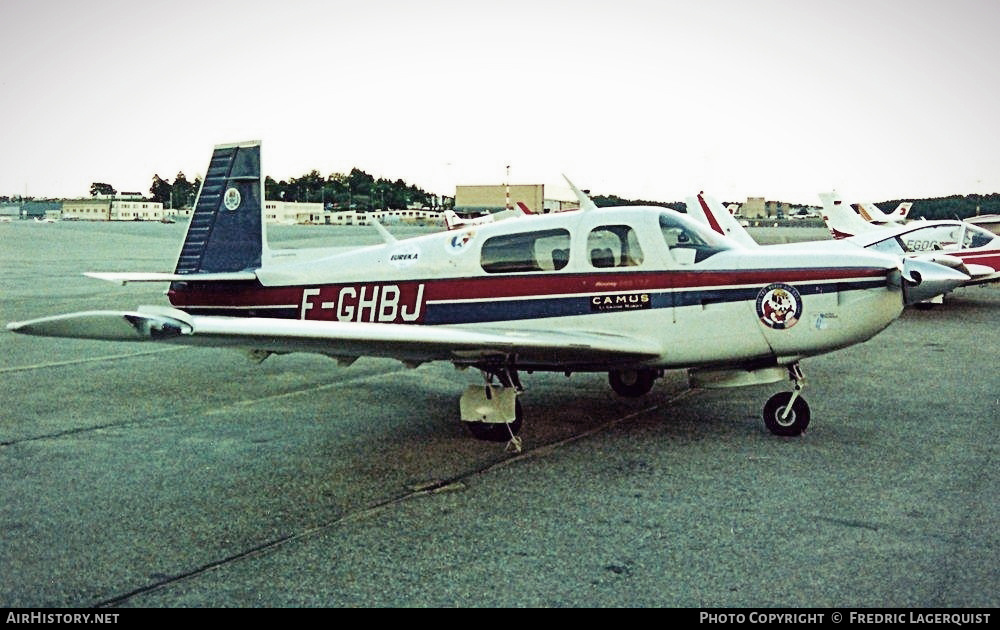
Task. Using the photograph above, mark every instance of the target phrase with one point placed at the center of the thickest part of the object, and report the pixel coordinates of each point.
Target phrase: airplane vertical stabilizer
(712, 213)
(899, 214)
(840, 219)
(226, 232)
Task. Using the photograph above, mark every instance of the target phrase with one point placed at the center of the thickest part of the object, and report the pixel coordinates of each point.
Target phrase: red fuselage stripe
(512, 286)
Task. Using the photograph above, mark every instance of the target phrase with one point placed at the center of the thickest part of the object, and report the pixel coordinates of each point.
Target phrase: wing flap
(418, 343)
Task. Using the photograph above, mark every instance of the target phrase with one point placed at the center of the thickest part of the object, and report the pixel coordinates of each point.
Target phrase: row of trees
(180, 194)
(951, 207)
(357, 190)
(603, 201)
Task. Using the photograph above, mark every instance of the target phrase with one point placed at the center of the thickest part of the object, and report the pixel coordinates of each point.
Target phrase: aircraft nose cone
(923, 280)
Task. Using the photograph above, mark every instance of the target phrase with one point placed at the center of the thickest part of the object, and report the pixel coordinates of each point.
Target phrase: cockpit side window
(544, 250)
(688, 241)
(889, 246)
(613, 246)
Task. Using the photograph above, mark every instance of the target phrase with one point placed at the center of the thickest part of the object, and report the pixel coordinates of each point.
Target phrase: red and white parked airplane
(630, 291)
(873, 214)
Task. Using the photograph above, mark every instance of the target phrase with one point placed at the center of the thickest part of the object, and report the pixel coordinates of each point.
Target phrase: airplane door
(713, 313)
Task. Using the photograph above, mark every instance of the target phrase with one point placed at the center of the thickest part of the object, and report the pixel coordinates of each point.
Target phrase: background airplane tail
(840, 219)
(226, 232)
(901, 211)
(713, 214)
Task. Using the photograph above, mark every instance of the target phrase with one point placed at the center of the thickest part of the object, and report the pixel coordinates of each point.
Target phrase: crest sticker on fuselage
(779, 306)
(232, 199)
(458, 242)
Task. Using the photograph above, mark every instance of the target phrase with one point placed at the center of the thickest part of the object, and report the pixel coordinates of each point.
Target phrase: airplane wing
(981, 274)
(408, 343)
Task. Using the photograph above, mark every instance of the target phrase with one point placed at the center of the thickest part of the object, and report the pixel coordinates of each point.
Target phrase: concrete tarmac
(145, 475)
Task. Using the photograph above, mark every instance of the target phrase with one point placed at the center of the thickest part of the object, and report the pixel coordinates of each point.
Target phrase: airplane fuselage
(615, 272)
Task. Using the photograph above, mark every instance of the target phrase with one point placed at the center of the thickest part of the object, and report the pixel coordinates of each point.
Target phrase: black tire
(794, 424)
(497, 431)
(632, 383)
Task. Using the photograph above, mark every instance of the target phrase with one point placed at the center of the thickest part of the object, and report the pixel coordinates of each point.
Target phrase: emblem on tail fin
(232, 200)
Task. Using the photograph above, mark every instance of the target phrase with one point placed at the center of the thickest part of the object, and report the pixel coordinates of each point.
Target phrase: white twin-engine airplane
(631, 291)
(974, 252)
(957, 244)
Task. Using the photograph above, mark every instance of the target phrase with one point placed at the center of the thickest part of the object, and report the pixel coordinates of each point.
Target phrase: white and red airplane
(979, 260)
(958, 244)
(454, 222)
(631, 291)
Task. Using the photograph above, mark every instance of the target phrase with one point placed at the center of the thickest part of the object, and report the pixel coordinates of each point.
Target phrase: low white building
(122, 210)
(289, 212)
(86, 210)
(410, 216)
(106, 208)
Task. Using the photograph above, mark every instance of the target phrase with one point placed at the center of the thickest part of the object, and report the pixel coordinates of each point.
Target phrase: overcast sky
(653, 99)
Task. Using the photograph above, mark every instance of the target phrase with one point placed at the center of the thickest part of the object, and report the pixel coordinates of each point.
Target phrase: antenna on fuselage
(384, 233)
(585, 202)
(507, 189)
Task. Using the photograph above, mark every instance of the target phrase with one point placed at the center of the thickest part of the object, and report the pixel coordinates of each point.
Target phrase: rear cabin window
(544, 250)
(613, 246)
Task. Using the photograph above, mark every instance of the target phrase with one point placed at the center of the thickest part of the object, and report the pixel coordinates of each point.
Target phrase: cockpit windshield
(976, 237)
(688, 240)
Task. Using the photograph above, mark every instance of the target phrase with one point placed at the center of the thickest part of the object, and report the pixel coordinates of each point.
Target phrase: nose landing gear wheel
(794, 423)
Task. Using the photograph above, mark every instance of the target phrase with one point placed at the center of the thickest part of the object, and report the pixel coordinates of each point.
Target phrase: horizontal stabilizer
(982, 274)
(105, 325)
(126, 277)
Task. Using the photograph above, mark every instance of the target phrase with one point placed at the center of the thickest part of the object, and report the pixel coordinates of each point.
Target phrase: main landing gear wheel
(497, 431)
(632, 383)
(778, 423)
